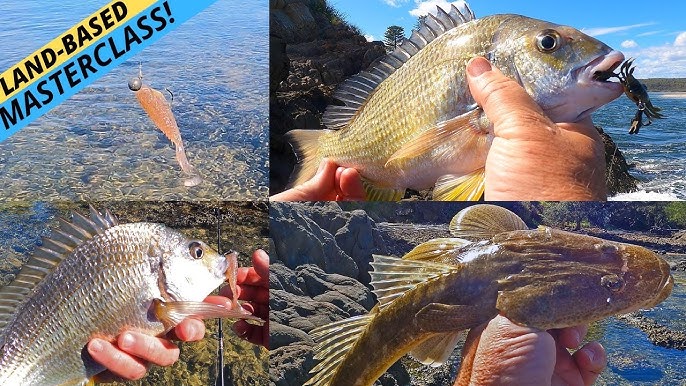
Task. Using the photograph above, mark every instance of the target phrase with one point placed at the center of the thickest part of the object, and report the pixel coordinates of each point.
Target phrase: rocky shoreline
(319, 263)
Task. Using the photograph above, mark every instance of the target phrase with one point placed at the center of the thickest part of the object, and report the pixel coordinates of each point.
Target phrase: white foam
(643, 195)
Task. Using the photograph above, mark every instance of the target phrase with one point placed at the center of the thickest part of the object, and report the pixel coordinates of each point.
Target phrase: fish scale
(118, 288)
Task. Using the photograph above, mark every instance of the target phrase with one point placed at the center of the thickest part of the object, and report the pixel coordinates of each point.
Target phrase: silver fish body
(96, 278)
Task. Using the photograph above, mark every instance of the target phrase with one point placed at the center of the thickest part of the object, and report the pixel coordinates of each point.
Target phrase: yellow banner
(68, 45)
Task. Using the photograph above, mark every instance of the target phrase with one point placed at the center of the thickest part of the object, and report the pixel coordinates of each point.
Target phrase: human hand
(531, 157)
(132, 354)
(332, 182)
(502, 353)
(252, 285)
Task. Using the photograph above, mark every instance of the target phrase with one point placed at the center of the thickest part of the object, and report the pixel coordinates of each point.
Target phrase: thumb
(506, 104)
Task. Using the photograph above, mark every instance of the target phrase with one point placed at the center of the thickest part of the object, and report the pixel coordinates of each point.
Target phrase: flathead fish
(542, 278)
(94, 277)
(410, 121)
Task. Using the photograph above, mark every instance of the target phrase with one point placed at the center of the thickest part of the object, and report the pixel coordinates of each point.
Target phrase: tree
(393, 37)
(420, 21)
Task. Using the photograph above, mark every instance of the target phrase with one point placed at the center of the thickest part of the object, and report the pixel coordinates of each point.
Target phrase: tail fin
(305, 144)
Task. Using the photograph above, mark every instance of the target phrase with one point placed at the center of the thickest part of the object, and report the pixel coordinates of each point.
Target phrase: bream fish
(410, 122)
(94, 277)
(542, 278)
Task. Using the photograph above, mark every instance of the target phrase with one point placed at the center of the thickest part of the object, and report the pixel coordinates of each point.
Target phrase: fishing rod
(220, 335)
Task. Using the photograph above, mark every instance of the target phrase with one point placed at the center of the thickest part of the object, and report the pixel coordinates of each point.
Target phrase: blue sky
(654, 32)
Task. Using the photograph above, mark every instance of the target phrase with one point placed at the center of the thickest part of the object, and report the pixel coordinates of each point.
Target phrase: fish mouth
(601, 69)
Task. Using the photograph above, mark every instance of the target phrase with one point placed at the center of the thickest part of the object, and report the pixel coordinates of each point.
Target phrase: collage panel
(184, 119)
(360, 293)
(392, 94)
(109, 282)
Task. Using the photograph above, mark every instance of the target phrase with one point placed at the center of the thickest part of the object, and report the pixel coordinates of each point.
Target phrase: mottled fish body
(94, 278)
(410, 121)
(542, 278)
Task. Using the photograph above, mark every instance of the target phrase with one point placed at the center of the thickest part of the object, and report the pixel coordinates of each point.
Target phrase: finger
(591, 360)
(115, 360)
(321, 186)
(149, 348)
(351, 185)
(505, 102)
(253, 334)
(260, 263)
(573, 336)
(189, 330)
(339, 172)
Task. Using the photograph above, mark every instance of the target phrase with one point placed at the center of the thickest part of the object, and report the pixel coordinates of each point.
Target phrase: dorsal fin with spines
(355, 91)
(61, 242)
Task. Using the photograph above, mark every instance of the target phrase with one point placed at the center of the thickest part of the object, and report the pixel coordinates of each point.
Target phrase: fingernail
(591, 355)
(126, 341)
(192, 331)
(240, 329)
(95, 346)
(322, 166)
(478, 66)
(577, 338)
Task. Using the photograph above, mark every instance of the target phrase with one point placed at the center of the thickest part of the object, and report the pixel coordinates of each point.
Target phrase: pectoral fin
(172, 313)
(444, 318)
(484, 221)
(452, 136)
(374, 193)
(460, 188)
(435, 351)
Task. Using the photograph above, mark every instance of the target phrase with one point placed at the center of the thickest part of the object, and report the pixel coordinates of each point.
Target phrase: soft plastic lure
(159, 110)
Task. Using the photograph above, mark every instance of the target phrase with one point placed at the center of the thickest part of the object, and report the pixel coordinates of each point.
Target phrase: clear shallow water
(658, 151)
(101, 145)
(633, 359)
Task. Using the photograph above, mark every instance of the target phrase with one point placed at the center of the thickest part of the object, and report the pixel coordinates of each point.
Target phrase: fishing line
(219, 381)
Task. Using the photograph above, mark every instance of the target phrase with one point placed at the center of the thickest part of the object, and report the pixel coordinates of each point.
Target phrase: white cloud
(428, 6)
(610, 30)
(680, 40)
(665, 61)
(370, 38)
(629, 44)
(395, 3)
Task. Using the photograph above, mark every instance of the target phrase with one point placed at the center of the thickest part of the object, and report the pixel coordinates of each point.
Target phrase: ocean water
(658, 151)
(100, 144)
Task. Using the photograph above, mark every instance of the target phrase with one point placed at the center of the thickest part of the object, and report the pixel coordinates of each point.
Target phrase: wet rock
(307, 291)
(658, 334)
(618, 178)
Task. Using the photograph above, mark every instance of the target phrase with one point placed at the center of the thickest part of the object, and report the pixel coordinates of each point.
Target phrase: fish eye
(548, 41)
(196, 250)
(612, 282)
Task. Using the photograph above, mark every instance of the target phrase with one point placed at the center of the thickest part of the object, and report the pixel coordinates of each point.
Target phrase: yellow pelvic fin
(484, 221)
(436, 350)
(374, 193)
(442, 250)
(305, 144)
(172, 313)
(334, 340)
(460, 188)
(392, 277)
(467, 131)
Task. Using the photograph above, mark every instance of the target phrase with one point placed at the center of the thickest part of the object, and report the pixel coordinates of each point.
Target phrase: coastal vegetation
(665, 84)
